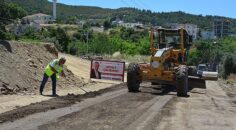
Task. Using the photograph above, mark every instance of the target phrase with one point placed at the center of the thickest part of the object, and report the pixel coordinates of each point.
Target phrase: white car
(200, 69)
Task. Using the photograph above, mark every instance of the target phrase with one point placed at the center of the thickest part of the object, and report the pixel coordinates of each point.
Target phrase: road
(206, 109)
(126, 111)
(155, 107)
(152, 108)
(118, 109)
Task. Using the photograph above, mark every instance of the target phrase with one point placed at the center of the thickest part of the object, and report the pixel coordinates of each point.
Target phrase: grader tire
(182, 81)
(133, 77)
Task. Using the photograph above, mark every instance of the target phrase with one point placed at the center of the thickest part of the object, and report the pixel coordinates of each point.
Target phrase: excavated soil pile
(22, 65)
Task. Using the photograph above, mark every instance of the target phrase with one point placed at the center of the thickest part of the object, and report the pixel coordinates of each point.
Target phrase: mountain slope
(126, 14)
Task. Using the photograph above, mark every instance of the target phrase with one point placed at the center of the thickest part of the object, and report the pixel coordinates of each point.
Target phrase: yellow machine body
(168, 51)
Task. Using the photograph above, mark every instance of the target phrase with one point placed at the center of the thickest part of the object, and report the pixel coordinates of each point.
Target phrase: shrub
(229, 65)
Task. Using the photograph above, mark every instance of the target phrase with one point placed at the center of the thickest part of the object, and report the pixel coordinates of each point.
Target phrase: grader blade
(196, 82)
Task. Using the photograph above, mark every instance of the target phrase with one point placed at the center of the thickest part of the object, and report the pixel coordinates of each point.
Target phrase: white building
(38, 18)
(80, 22)
(130, 25)
(117, 22)
(19, 28)
(34, 21)
(190, 28)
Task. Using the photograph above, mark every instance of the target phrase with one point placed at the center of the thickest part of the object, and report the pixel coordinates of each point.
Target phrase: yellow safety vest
(57, 67)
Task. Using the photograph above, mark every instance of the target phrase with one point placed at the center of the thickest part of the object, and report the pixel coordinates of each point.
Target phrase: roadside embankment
(22, 65)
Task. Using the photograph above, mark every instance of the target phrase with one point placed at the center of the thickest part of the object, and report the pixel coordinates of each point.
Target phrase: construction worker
(53, 70)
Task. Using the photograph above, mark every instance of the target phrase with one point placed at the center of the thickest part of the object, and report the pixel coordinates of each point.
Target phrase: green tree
(144, 46)
(193, 58)
(30, 33)
(107, 24)
(100, 44)
(73, 48)
(228, 66)
(2, 31)
(205, 51)
(15, 11)
(9, 13)
(72, 20)
(63, 39)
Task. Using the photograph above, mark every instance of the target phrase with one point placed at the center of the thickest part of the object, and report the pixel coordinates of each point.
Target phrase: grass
(231, 81)
(128, 58)
(30, 41)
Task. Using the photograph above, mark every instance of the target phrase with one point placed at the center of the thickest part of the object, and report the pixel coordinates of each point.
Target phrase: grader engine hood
(158, 69)
(160, 56)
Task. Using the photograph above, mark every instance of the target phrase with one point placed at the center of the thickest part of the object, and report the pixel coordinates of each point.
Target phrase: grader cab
(168, 62)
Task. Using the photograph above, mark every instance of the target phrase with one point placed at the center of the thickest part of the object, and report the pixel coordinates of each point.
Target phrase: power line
(144, 4)
(137, 4)
(126, 4)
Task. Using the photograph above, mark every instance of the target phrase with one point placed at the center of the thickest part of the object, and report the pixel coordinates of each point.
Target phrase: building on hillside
(97, 29)
(38, 18)
(34, 21)
(80, 23)
(20, 28)
(117, 22)
(207, 35)
(232, 35)
(221, 27)
(130, 25)
(192, 29)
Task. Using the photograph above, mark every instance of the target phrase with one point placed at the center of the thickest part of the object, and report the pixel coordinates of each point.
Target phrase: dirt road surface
(209, 109)
(152, 108)
(79, 67)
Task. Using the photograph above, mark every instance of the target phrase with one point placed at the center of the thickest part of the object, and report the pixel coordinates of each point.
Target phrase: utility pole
(55, 9)
(222, 27)
(87, 41)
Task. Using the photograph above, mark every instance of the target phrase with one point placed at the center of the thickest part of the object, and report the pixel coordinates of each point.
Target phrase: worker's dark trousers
(45, 79)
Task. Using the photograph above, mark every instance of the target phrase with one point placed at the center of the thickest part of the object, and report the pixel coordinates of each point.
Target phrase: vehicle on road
(204, 71)
(200, 69)
(168, 62)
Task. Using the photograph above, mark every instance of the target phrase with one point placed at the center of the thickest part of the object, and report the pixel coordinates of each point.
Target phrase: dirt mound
(22, 65)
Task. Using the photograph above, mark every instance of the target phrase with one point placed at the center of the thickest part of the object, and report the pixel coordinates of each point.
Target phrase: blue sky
(205, 7)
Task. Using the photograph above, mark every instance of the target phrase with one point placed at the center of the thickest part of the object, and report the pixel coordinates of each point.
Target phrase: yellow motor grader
(168, 62)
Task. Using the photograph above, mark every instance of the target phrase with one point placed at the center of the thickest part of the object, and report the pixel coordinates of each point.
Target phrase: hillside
(22, 68)
(126, 14)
